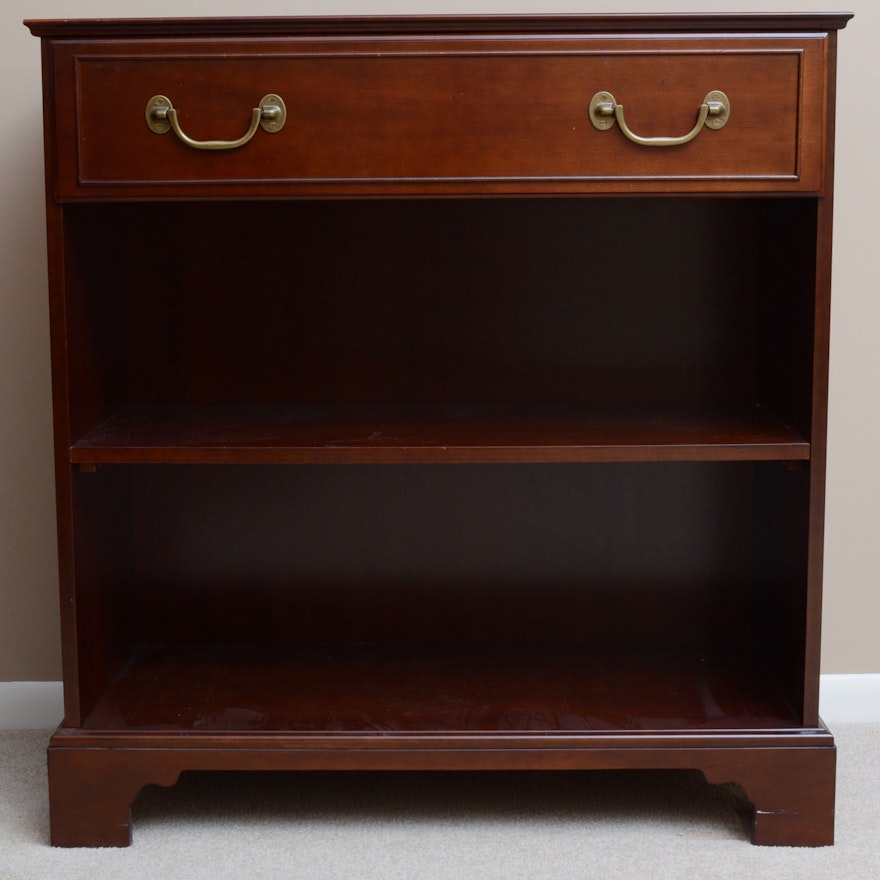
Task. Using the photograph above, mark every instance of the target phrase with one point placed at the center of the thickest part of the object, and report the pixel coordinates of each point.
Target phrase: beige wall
(28, 605)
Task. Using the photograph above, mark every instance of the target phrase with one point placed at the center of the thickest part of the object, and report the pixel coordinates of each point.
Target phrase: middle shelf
(290, 434)
(429, 331)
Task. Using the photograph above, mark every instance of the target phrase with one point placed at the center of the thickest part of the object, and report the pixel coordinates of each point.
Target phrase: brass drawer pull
(270, 115)
(713, 112)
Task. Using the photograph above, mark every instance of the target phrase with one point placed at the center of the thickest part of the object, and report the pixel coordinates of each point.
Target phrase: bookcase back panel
(360, 303)
(392, 554)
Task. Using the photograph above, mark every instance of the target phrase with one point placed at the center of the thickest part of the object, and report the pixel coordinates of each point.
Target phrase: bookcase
(464, 409)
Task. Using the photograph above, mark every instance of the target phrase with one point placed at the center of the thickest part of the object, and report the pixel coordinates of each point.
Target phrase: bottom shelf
(462, 708)
(367, 689)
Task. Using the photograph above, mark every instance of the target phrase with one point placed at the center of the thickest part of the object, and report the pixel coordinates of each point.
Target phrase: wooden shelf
(291, 434)
(439, 689)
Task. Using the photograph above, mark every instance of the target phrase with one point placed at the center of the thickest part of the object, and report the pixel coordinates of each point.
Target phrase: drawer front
(463, 115)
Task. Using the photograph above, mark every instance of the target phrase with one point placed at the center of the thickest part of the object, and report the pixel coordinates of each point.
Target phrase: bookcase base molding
(788, 779)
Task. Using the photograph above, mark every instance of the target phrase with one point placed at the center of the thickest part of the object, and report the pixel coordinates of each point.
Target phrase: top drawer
(441, 115)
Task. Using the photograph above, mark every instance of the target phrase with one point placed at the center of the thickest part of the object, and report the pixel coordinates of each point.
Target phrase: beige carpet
(425, 826)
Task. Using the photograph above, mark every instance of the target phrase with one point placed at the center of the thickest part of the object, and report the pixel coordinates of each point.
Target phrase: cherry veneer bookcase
(440, 393)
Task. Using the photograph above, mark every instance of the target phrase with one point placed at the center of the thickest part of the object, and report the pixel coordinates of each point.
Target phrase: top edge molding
(305, 26)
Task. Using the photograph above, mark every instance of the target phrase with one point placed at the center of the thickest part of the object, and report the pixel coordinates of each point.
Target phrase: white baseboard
(31, 705)
(845, 699)
(39, 704)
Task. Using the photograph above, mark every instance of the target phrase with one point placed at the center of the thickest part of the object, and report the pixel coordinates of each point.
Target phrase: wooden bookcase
(442, 426)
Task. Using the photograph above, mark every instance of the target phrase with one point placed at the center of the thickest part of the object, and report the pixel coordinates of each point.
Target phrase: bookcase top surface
(438, 25)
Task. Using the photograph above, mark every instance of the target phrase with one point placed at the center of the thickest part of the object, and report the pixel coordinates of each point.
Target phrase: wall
(28, 581)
